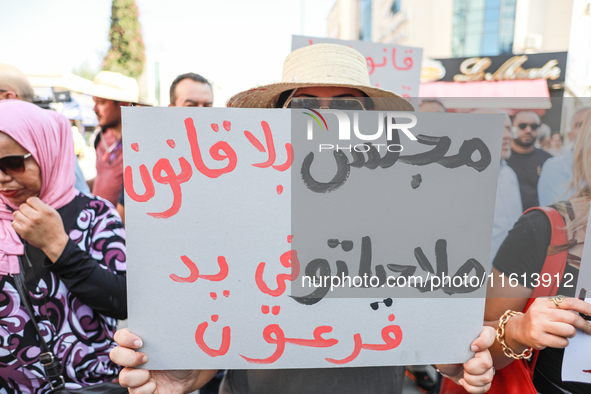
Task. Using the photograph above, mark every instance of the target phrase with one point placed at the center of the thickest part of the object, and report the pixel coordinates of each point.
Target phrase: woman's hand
(41, 226)
(544, 325)
(476, 374)
(147, 382)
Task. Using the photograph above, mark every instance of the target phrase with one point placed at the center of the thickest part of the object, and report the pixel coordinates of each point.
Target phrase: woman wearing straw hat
(325, 76)
(321, 70)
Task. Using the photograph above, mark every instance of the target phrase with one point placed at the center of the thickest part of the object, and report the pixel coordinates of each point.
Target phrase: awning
(522, 94)
(67, 81)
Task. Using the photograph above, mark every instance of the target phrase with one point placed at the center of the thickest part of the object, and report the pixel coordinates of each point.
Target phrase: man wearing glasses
(527, 160)
(321, 76)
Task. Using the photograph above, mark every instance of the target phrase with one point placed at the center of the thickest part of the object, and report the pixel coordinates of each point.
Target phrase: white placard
(576, 363)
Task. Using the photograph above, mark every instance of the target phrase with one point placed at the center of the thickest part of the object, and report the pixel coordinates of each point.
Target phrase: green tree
(127, 52)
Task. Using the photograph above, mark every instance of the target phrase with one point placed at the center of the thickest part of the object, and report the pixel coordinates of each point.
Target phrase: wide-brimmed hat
(321, 65)
(115, 86)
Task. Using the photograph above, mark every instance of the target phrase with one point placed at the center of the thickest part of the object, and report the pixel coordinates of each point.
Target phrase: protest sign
(392, 67)
(227, 214)
(576, 364)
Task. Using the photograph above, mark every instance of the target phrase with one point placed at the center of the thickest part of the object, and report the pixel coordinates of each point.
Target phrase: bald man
(15, 85)
(527, 160)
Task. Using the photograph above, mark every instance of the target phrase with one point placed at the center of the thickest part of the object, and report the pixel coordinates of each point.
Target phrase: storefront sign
(550, 66)
(473, 69)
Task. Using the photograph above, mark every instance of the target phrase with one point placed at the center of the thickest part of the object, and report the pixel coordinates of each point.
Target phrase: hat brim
(109, 93)
(119, 98)
(266, 96)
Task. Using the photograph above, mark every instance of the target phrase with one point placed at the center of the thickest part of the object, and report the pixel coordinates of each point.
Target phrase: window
(365, 20)
(395, 7)
(483, 27)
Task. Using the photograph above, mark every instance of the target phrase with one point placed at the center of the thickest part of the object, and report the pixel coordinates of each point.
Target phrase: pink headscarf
(47, 136)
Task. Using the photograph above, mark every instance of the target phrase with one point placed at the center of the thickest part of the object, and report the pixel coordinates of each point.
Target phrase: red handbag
(517, 377)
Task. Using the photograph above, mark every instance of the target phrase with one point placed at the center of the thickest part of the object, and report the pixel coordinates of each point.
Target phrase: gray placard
(210, 260)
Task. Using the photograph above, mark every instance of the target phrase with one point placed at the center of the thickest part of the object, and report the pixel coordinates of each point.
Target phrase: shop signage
(549, 66)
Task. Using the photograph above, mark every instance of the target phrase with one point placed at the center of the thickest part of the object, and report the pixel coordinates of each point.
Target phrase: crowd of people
(63, 261)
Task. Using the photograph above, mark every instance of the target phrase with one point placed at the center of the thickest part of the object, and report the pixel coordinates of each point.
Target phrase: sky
(235, 44)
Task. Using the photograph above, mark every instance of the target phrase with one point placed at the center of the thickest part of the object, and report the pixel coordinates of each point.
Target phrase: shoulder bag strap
(51, 364)
(555, 263)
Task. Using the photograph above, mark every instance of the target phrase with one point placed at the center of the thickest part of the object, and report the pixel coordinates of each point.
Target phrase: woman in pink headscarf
(69, 250)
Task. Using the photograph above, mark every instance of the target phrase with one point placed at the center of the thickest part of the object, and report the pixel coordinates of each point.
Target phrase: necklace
(111, 151)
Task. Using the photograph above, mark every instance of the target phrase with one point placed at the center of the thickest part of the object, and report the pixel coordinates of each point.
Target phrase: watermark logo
(386, 122)
(316, 119)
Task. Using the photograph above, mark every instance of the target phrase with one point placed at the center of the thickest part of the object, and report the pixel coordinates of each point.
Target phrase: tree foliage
(127, 52)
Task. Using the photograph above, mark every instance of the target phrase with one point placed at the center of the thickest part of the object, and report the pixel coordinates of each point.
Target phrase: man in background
(527, 160)
(14, 84)
(187, 90)
(190, 90)
(111, 91)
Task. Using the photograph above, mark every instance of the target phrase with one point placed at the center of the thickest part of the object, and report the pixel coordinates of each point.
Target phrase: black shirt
(528, 168)
(375, 380)
(524, 251)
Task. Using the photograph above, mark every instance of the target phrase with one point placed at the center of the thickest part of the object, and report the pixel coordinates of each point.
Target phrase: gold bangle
(526, 354)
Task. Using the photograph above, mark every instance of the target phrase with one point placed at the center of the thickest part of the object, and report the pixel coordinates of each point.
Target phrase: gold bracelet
(526, 354)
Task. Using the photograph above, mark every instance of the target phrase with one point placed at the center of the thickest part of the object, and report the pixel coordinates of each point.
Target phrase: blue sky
(236, 44)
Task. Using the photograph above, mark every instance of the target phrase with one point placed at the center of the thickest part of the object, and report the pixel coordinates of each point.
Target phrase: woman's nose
(4, 177)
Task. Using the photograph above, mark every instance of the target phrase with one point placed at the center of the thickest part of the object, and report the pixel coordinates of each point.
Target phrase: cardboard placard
(576, 364)
(224, 219)
(396, 68)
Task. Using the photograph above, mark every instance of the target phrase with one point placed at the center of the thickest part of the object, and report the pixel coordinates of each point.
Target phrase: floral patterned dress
(77, 300)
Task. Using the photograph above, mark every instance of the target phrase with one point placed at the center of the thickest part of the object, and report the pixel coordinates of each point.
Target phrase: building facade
(475, 28)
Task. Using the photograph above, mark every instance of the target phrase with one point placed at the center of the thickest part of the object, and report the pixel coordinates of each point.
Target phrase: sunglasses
(523, 126)
(341, 103)
(13, 165)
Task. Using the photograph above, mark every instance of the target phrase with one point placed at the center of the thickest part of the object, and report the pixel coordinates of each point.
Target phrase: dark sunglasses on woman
(13, 165)
(341, 103)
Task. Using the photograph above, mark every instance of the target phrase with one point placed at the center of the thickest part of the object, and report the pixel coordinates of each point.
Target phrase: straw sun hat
(321, 65)
(115, 86)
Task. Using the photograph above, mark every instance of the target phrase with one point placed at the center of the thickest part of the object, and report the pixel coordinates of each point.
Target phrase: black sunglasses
(342, 103)
(13, 165)
(523, 126)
